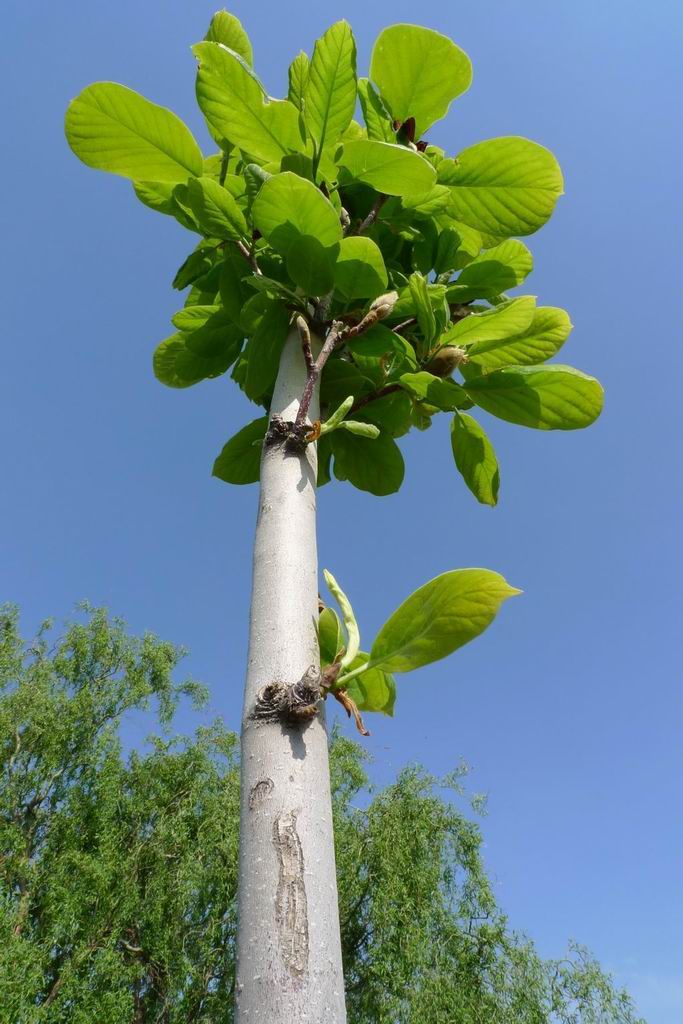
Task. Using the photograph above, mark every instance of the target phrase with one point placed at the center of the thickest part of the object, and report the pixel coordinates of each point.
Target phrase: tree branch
(249, 256)
(372, 216)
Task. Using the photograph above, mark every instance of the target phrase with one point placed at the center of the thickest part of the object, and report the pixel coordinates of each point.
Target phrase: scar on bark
(294, 703)
(291, 905)
(260, 791)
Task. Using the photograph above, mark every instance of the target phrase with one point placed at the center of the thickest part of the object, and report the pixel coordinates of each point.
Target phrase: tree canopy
(118, 871)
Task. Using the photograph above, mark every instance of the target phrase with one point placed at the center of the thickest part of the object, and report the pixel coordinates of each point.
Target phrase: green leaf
(310, 265)
(501, 322)
(407, 306)
(236, 107)
(493, 271)
(444, 394)
(391, 413)
(426, 316)
(215, 210)
(373, 690)
(240, 460)
(383, 350)
(298, 80)
(475, 458)
(438, 618)
(335, 418)
(197, 264)
(217, 337)
(270, 326)
(289, 206)
(545, 397)
(375, 114)
(360, 429)
(178, 366)
(159, 196)
(542, 338)
(330, 637)
(370, 465)
(234, 276)
(390, 169)
(502, 187)
(419, 73)
(115, 129)
(193, 317)
(360, 272)
(350, 624)
(340, 379)
(227, 29)
(331, 89)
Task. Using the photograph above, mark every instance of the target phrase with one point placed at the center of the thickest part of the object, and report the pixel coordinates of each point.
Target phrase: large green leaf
(543, 337)
(217, 337)
(382, 350)
(493, 271)
(240, 460)
(370, 465)
(288, 207)
(438, 618)
(373, 690)
(360, 272)
(426, 316)
(299, 70)
(391, 169)
(331, 88)
(177, 365)
(545, 397)
(236, 107)
(341, 379)
(500, 322)
(159, 196)
(419, 73)
(191, 318)
(375, 114)
(215, 209)
(330, 637)
(475, 458)
(310, 265)
(267, 321)
(225, 28)
(444, 394)
(197, 265)
(116, 129)
(502, 187)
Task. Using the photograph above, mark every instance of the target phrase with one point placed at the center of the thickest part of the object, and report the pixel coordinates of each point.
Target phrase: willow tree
(352, 278)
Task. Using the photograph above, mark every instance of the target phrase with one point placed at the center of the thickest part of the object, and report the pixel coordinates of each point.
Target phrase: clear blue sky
(570, 707)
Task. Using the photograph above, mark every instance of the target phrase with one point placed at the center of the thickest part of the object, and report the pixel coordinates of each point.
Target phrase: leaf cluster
(437, 619)
(118, 875)
(305, 212)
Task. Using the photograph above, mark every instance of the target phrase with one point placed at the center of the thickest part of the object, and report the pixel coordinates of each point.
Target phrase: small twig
(404, 325)
(305, 336)
(334, 335)
(372, 216)
(366, 399)
(250, 256)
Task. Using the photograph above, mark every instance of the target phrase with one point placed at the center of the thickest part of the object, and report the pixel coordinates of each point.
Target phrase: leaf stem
(372, 216)
(250, 257)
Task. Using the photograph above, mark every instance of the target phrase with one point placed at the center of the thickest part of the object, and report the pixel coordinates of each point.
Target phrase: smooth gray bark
(289, 968)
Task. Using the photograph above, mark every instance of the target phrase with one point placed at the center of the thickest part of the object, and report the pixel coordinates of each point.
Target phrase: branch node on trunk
(291, 435)
(293, 703)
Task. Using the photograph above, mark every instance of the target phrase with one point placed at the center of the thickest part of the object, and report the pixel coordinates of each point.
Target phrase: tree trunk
(289, 968)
